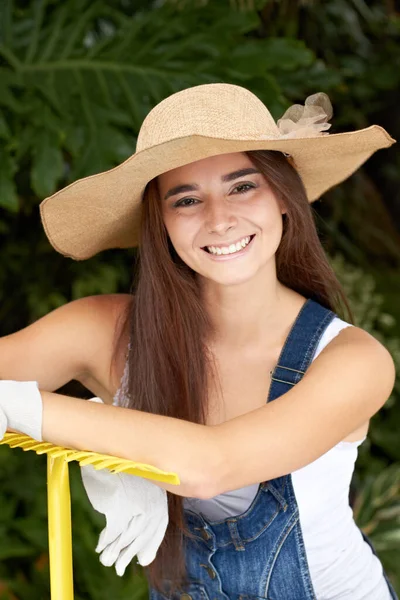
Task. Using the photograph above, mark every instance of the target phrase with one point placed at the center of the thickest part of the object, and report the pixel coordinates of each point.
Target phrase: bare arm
(344, 387)
(74, 342)
(71, 342)
(164, 442)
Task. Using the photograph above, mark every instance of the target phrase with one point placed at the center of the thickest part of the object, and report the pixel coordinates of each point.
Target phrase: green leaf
(33, 531)
(8, 82)
(389, 540)
(8, 192)
(103, 280)
(48, 164)
(101, 149)
(6, 21)
(5, 133)
(10, 548)
(39, 8)
(8, 508)
(286, 54)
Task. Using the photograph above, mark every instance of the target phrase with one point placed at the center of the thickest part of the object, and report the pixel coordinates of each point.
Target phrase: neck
(250, 313)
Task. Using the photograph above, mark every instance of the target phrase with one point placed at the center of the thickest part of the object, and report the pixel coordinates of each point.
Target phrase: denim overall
(259, 554)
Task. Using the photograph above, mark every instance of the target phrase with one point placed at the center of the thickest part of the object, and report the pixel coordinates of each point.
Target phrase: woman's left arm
(345, 385)
(341, 390)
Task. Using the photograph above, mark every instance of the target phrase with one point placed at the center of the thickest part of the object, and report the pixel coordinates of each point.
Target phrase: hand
(142, 537)
(21, 408)
(136, 512)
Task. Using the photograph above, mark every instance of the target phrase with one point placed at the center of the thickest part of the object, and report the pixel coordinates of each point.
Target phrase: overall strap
(299, 347)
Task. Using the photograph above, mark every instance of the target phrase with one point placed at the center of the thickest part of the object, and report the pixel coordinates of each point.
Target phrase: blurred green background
(77, 77)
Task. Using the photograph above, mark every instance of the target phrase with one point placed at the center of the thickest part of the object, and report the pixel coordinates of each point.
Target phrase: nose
(219, 217)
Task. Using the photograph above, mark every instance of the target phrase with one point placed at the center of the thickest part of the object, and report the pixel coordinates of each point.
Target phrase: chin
(228, 279)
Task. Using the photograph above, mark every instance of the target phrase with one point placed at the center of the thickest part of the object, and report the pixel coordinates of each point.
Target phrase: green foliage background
(77, 77)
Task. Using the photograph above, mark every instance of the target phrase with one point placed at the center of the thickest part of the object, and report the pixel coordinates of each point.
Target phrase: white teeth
(231, 249)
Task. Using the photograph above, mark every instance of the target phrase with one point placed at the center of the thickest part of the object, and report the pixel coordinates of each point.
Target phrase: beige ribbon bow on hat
(309, 120)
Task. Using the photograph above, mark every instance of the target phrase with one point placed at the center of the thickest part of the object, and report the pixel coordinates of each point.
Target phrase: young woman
(240, 375)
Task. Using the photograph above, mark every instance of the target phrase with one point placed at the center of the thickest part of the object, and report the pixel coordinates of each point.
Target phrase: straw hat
(103, 211)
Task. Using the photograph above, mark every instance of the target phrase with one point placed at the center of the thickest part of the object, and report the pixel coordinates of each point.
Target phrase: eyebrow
(191, 187)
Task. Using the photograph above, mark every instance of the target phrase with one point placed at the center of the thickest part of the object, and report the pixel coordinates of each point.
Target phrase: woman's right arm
(71, 342)
(75, 342)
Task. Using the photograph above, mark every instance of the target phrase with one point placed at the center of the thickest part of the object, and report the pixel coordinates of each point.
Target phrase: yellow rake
(59, 500)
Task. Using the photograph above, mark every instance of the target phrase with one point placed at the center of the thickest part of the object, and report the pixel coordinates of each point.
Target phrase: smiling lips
(231, 248)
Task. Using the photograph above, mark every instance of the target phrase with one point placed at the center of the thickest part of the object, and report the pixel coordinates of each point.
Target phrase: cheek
(170, 225)
(180, 232)
(274, 221)
(268, 217)
(266, 213)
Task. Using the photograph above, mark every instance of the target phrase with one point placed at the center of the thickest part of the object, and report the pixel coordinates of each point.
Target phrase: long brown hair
(169, 366)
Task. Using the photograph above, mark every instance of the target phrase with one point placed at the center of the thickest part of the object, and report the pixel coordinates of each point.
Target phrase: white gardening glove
(3, 424)
(136, 512)
(142, 537)
(21, 408)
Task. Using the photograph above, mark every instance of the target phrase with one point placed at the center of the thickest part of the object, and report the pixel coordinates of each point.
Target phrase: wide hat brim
(102, 211)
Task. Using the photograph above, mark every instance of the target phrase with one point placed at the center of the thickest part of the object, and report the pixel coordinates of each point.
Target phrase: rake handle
(59, 528)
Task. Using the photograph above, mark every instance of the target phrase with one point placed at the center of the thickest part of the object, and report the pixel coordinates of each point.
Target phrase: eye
(244, 185)
(184, 202)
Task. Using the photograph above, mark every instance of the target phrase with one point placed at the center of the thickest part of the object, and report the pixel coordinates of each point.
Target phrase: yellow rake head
(59, 501)
(99, 461)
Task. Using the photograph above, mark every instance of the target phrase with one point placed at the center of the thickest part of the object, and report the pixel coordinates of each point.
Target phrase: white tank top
(342, 565)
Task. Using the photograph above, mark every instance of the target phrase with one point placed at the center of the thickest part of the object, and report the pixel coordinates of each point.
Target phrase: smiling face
(222, 217)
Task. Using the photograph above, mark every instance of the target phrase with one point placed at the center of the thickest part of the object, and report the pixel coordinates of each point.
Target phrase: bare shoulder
(107, 307)
(357, 339)
(354, 355)
(74, 341)
(102, 375)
